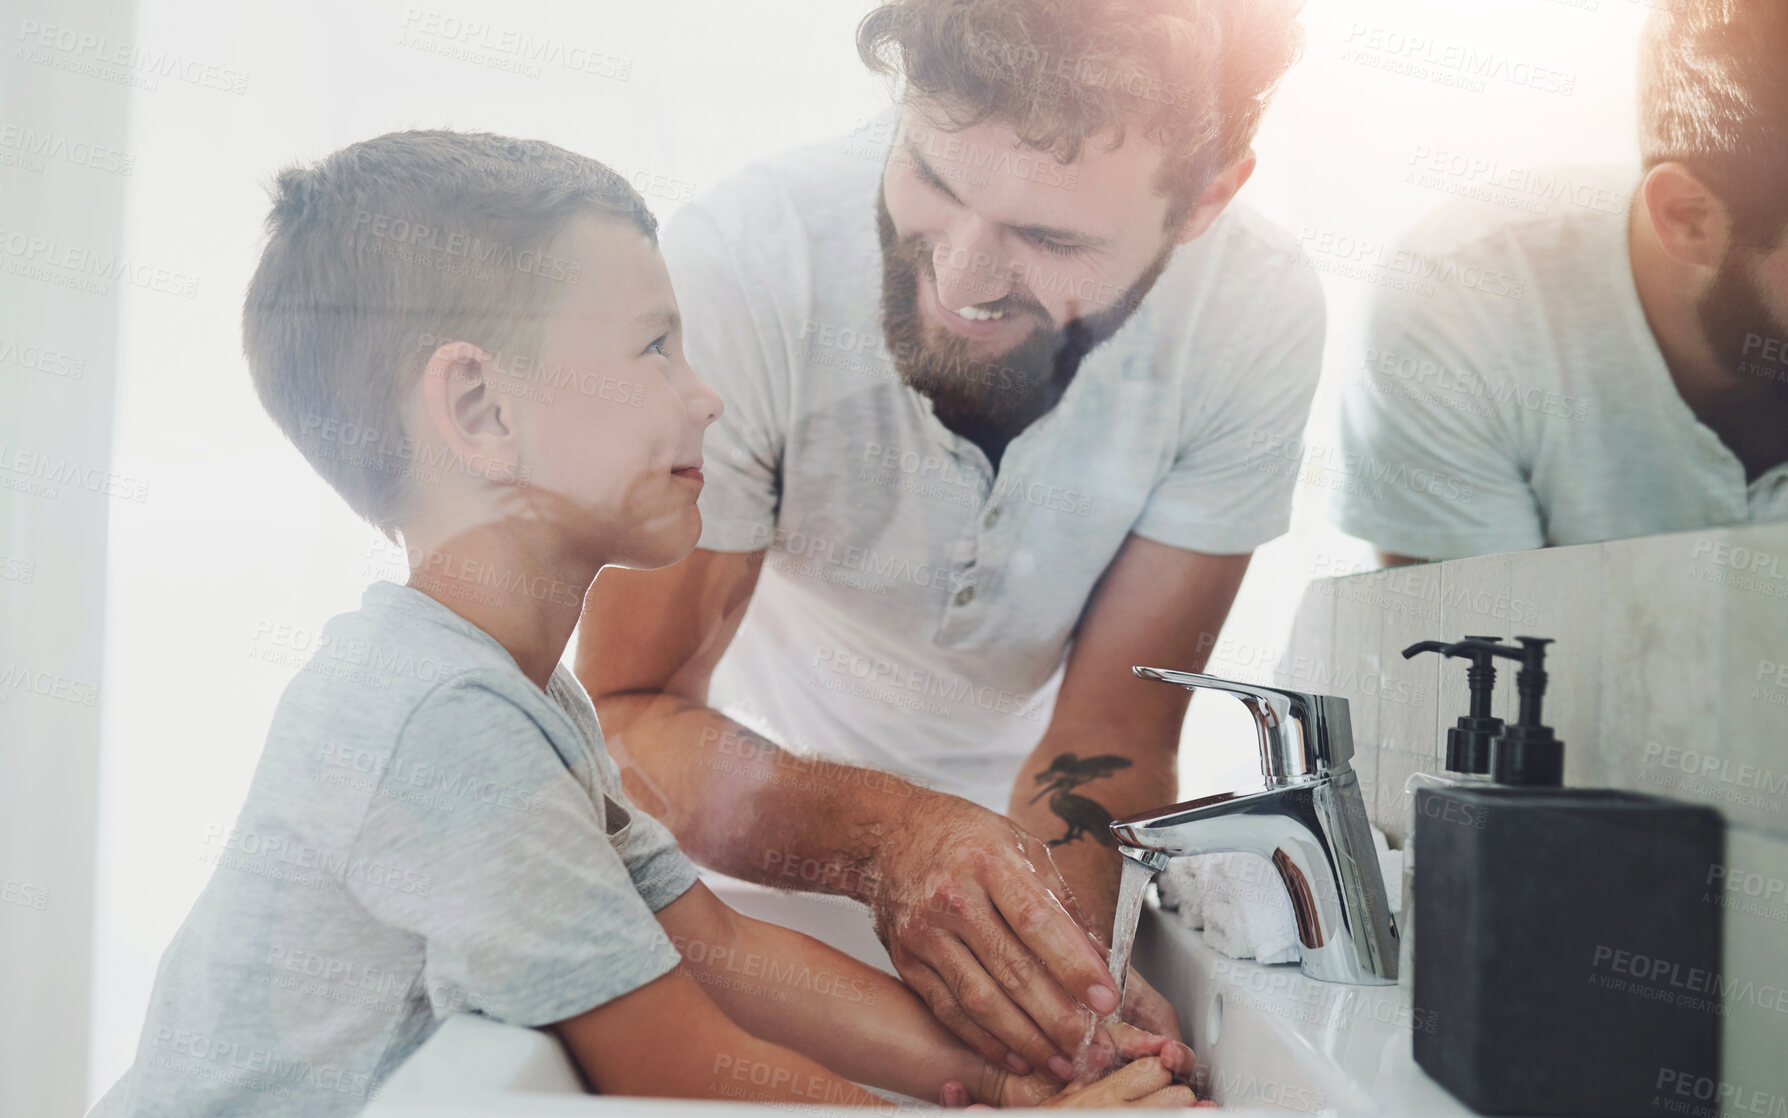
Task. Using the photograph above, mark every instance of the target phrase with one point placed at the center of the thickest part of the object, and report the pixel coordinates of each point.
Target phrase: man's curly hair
(1192, 75)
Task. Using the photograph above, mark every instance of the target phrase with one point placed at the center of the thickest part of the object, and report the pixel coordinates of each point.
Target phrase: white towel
(1240, 902)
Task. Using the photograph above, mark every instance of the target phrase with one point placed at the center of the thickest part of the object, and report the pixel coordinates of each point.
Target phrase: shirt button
(965, 595)
(992, 517)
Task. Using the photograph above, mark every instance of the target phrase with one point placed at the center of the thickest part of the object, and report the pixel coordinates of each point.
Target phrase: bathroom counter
(1266, 1036)
(1269, 1040)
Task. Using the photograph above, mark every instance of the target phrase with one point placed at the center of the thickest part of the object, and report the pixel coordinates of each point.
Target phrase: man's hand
(1145, 1008)
(979, 923)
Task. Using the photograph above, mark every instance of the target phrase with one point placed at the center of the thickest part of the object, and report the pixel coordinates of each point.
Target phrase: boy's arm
(970, 906)
(793, 990)
(666, 1039)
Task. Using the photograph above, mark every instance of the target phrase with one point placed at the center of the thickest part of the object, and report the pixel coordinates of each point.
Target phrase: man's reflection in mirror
(1607, 370)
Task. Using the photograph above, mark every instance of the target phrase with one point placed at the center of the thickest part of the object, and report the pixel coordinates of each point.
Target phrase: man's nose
(968, 266)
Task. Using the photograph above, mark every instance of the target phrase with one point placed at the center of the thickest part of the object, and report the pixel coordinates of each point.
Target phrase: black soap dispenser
(1467, 761)
(1468, 741)
(1570, 942)
(1527, 754)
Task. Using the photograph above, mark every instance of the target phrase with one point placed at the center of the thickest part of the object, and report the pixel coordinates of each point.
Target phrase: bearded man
(1008, 383)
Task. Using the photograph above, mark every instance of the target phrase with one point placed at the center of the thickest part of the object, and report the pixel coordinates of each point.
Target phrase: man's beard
(1000, 395)
(1733, 314)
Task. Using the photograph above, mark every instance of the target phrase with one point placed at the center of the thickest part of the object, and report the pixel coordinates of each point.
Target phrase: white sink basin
(1268, 1039)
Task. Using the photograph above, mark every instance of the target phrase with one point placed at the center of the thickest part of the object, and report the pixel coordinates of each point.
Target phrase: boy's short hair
(390, 248)
(1713, 96)
(1193, 75)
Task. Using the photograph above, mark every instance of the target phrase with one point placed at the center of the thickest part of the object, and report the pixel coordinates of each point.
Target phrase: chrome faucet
(1309, 822)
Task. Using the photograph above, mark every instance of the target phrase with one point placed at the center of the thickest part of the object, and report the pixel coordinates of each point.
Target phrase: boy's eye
(658, 345)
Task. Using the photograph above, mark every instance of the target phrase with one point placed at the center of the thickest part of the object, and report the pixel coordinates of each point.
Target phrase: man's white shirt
(1540, 414)
(914, 608)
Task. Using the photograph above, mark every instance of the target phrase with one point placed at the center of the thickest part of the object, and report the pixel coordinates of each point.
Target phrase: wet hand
(1152, 1081)
(1115, 1045)
(1145, 1008)
(980, 924)
(1125, 1066)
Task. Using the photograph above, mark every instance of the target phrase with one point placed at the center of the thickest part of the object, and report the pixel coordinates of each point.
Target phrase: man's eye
(1058, 248)
(658, 345)
(932, 182)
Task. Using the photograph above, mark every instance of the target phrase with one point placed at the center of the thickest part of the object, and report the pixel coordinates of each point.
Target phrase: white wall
(238, 551)
(60, 193)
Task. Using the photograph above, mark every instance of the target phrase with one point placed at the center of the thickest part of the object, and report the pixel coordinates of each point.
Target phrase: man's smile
(978, 321)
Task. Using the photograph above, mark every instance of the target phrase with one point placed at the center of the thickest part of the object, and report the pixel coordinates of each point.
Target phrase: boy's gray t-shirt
(427, 832)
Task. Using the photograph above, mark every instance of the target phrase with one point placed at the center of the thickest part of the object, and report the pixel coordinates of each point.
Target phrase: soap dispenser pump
(1527, 754)
(1467, 761)
(1469, 740)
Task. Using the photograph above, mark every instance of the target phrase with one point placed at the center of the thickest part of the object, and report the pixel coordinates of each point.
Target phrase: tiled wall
(1667, 678)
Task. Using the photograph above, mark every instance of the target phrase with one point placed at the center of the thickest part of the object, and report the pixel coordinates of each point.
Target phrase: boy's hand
(981, 925)
(1145, 1082)
(1158, 1074)
(1114, 1044)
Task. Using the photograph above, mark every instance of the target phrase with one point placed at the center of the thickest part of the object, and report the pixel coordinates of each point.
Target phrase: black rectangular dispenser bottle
(1570, 958)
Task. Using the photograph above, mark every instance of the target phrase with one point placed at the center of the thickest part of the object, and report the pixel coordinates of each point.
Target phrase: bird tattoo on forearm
(1083, 816)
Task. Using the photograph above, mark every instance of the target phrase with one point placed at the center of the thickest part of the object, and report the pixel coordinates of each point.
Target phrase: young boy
(473, 339)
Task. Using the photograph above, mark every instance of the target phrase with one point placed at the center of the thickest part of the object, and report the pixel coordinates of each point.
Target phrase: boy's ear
(465, 412)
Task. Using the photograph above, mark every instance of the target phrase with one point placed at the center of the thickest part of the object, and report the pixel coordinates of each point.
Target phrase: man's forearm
(1070, 789)
(1113, 741)
(739, 803)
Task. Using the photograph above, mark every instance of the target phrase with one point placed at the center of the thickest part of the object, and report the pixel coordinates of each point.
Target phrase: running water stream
(1132, 886)
(1131, 889)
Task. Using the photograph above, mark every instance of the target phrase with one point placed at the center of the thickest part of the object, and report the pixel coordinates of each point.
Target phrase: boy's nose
(705, 406)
